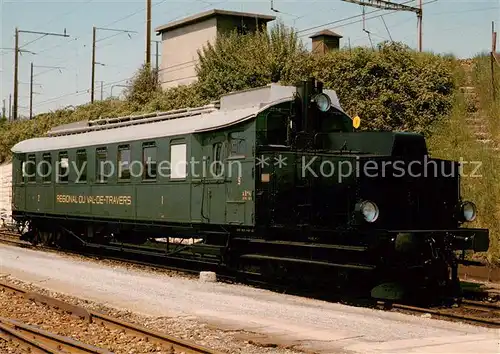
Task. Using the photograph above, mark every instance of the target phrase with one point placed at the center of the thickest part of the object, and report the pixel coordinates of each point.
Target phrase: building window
(31, 169)
(149, 161)
(178, 161)
(124, 162)
(63, 171)
(102, 168)
(242, 29)
(47, 168)
(81, 165)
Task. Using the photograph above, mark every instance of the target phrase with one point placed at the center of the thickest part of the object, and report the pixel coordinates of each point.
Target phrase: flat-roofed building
(182, 39)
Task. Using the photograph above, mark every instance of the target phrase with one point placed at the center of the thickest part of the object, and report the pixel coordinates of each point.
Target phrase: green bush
(391, 88)
(237, 62)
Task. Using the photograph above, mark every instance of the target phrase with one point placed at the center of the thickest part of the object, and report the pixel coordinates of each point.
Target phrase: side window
(149, 161)
(178, 161)
(63, 165)
(81, 165)
(31, 169)
(47, 168)
(101, 165)
(21, 170)
(124, 162)
(277, 131)
(217, 159)
(237, 145)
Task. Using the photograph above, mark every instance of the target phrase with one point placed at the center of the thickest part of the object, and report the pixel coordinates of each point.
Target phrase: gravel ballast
(57, 322)
(51, 320)
(231, 317)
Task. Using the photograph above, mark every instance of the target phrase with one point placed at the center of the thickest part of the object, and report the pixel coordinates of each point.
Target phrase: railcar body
(275, 178)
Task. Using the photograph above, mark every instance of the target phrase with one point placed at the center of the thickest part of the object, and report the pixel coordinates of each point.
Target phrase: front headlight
(323, 102)
(369, 210)
(469, 211)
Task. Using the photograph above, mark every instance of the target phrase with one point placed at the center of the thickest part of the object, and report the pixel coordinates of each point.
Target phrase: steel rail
(478, 305)
(176, 344)
(46, 339)
(8, 333)
(388, 306)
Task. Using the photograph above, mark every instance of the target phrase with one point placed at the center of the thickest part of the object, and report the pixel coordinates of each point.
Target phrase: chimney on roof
(325, 41)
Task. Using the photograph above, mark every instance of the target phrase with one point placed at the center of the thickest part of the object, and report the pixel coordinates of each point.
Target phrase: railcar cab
(306, 121)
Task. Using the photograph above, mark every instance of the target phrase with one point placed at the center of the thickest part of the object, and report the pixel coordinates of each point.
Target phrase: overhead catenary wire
(47, 49)
(340, 21)
(116, 21)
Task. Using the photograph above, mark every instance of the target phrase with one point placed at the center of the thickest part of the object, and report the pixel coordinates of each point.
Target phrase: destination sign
(94, 199)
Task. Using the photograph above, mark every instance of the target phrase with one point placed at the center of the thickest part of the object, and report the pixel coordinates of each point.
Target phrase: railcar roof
(181, 126)
(235, 108)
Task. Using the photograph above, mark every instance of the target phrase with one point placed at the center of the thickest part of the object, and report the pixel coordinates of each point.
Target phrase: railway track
(36, 340)
(476, 312)
(483, 314)
(39, 341)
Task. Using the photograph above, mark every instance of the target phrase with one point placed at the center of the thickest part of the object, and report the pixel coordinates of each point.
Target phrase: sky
(62, 65)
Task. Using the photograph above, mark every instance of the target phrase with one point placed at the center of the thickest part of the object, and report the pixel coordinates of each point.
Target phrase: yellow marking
(94, 199)
(356, 122)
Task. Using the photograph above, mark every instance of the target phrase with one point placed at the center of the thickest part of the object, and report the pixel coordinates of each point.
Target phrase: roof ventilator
(119, 122)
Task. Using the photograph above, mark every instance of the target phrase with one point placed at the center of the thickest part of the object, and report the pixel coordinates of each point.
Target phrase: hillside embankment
(471, 133)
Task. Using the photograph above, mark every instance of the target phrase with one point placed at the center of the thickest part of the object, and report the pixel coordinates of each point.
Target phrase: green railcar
(274, 177)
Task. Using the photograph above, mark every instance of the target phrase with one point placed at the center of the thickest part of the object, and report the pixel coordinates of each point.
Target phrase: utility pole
(3, 109)
(419, 20)
(93, 64)
(148, 32)
(493, 58)
(31, 92)
(10, 107)
(102, 89)
(94, 32)
(16, 62)
(157, 56)
(388, 5)
(16, 69)
(31, 82)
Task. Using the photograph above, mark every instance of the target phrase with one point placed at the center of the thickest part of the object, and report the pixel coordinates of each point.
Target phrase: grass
(454, 139)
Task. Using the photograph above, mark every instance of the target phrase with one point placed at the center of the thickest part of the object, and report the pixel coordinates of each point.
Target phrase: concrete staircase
(477, 125)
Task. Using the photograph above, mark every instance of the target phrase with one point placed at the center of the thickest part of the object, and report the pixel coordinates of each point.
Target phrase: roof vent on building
(325, 41)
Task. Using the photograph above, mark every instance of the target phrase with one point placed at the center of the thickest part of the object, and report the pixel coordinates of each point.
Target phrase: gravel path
(241, 313)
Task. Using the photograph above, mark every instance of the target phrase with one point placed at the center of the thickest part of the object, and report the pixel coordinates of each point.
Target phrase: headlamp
(323, 102)
(469, 211)
(369, 210)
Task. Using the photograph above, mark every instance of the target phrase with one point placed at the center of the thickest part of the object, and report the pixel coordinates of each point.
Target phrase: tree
(241, 61)
(143, 87)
